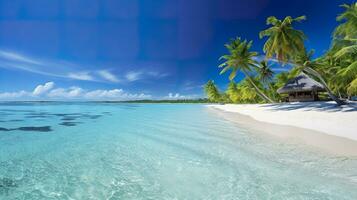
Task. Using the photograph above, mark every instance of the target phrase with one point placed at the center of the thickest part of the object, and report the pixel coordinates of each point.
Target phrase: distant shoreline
(130, 101)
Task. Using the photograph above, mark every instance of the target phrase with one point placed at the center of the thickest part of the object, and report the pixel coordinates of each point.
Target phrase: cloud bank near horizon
(178, 96)
(48, 91)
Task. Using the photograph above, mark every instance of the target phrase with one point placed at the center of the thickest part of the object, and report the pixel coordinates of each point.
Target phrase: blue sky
(133, 49)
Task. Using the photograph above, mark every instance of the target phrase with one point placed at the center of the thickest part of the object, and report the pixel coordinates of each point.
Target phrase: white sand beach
(321, 124)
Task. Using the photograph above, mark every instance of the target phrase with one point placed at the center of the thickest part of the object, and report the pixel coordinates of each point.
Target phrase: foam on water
(152, 151)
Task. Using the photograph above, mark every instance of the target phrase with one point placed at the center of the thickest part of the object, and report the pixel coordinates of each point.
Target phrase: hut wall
(303, 96)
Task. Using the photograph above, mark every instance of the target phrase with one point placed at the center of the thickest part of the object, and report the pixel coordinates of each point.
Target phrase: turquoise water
(155, 151)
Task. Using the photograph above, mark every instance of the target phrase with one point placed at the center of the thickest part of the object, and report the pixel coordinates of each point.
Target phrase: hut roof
(301, 83)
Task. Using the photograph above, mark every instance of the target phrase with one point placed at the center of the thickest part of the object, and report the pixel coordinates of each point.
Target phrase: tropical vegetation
(285, 47)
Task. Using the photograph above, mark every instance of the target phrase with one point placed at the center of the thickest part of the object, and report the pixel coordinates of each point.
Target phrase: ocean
(78, 150)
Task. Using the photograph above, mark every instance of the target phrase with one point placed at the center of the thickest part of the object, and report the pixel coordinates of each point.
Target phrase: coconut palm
(232, 92)
(265, 77)
(246, 94)
(241, 59)
(281, 79)
(285, 43)
(265, 74)
(308, 65)
(348, 73)
(344, 49)
(212, 91)
(348, 29)
(350, 49)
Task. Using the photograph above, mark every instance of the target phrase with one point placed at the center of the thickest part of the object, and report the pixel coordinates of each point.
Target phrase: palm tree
(233, 92)
(265, 74)
(306, 64)
(283, 38)
(246, 94)
(281, 79)
(265, 77)
(344, 48)
(212, 91)
(240, 59)
(348, 74)
(285, 43)
(348, 29)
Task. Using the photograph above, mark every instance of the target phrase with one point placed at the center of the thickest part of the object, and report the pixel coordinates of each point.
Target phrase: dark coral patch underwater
(67, 119)
(29, 128)
(34, 128)
(16, 120)
(74, 116)
(38, 115)
(69, 123)
(7, 183)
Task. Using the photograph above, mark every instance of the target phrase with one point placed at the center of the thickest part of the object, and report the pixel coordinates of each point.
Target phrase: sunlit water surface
(155, 151)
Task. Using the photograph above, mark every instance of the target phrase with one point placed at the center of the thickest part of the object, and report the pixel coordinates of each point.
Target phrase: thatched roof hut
(302, 88)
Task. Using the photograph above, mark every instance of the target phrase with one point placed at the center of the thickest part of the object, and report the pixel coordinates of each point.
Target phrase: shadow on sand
(312, 106)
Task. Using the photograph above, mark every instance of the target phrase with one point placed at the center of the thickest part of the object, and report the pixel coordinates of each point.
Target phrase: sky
(136, 49)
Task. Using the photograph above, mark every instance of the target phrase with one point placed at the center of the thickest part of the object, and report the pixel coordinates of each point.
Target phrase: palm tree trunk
(309, 70)
(260, 93)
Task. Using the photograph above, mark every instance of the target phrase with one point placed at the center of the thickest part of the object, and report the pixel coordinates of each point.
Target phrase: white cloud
(176, 96)
(40, 89)
(108, 76)
(157, 74)
(13, 60)
(115, 94)
(104, 93)
(133, 76)
(84, 76)
(14, 95)
(55, 68)
(64, 69)
(108, 95)
(48, 92)
(70, 93)
(17, 57)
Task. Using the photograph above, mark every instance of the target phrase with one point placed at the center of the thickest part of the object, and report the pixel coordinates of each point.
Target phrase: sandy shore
(320, 124)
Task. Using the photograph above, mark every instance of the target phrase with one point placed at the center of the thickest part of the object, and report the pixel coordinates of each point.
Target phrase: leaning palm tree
(265, 76)
(306, 64)
(285, 43)
(241, 59)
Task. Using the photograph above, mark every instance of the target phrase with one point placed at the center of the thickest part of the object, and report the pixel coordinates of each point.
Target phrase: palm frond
(348, 72)
(272, 20)
(299, 19)
(352, 87)
(349, 50)
(232, 75)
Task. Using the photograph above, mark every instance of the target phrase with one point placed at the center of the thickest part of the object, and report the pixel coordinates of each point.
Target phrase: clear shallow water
(152, 151)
